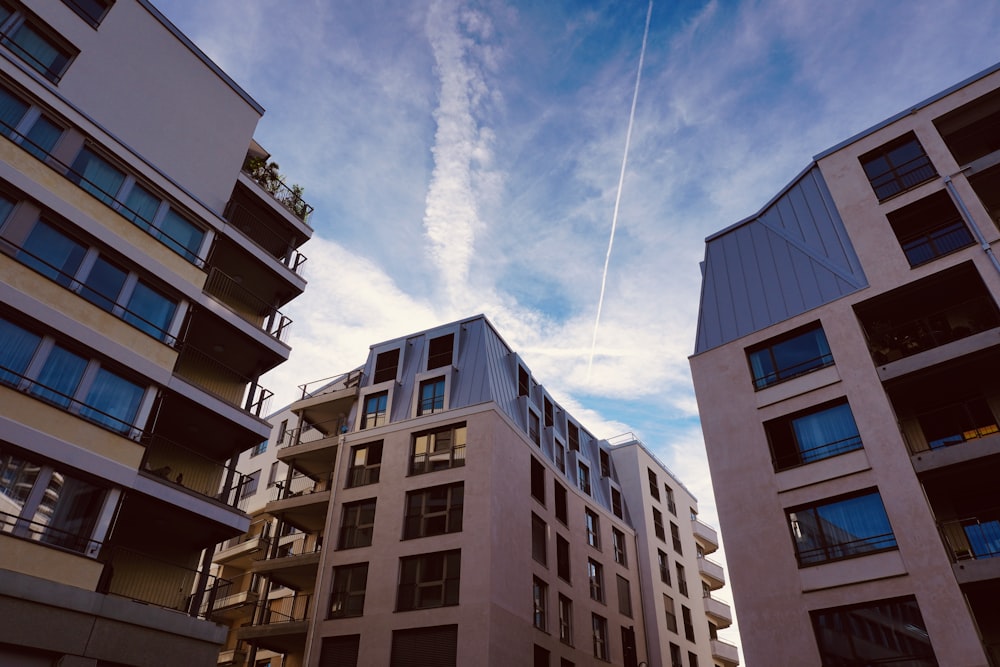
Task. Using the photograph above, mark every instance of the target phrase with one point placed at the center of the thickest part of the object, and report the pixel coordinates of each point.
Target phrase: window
(439, 351)
(688, 625)
(537, 480)
(560, 455)
(675, 537)
(812, 435)
(881, 632)
(583, 477)
(258, 449)
(429, 580)
(795, 353)
(250, 484)
(30, 40)
(560, 496)
(897, 166)
(682, 584)
(664, 564)
(565, 620)
(605, 464)
(91, 11)
(534, 428)
(669, 610)
(958, 422)
(539, 597)
(562, 558)
(573, 435)
(671, 505)
(357, 524)
(692, 659)
(46, 370)
(675, 656)
(595, 574)
(624, 596)
(434, 511)
(654, 484)
(658, 525)
(616, 503)
(600, 627)
(348, 596)
(366, 464)
(593, 523)
(547, 411)
(439, 449)
(339, 650)
(282, 429)
(386, 365)
(539, 539)
(618, 546)
(929, 228)
(375, 410)
(272, 476)
(840, 528)
(541, 657)
(424, 647)
(431, 396)
(523, 386)
(48, 505)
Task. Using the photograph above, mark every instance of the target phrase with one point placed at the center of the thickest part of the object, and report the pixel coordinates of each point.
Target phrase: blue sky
(463, 157)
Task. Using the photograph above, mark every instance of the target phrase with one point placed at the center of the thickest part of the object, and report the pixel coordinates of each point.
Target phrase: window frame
(829, 551)
(92, 20)
(592, 525)
(565, 620)
(595, 580)
(21, 18)
(348, 590)
(898, 172)
(428, 405)
(564, 568)
(763, 378)
(449, 583)
(539, 599)
(354, 532)
(539, 540)
(619, 547)
(375, 409)
(782, 435)
(583, 477)
(900, 612)
(367, 472)
(453, 455)
(452, 511)
(599, 625)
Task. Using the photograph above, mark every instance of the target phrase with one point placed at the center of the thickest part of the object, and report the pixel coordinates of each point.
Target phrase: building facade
(844, 364)
(457, 515)
(145, 251)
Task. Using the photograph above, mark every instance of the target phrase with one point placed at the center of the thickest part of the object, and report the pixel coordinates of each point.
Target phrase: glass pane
(51, 253)
(68, 512)
(140, 206)
(103, 284)
(38, 51)
(96, 176)
(11, 108)
(150, 311)
(17, 477)
(42, 136)
(112, 401)
(826, 433)
(180, 235)
(16, 352)
(60, 376)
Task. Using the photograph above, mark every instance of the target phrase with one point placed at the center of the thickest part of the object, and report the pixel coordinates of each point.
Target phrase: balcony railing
(281, 492)
(301, 545)
(253, 533)
(453, 457)
(227, 384)
(76, 541)
(283, 610)
(258, 231)
(267, 177)
(185, 467)
(345, 381)
(973, 537)
(247, 305)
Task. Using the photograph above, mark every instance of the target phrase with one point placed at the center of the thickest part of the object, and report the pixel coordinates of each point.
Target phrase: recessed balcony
(314, 457)
(242, 550)
(305, 510)
(326, 404)
(718, 612)
(707, 536)
(247, 304)
(712, 573)
(280, 626)
(235, 599)
(295, 564)
(727, 654)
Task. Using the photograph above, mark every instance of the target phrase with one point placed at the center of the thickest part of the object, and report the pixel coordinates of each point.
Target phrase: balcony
(727, 654)
(707, 536)
(184, 467)
(236, 598)
(233, 657)
(305, 510)
(326, 404)
(270, 181)
(314, 457)
(280, 624)
(718, 612)
(295, 564)
(242, 550)
(207, 372)
(972, 131)
(247, 304)
(712, 573)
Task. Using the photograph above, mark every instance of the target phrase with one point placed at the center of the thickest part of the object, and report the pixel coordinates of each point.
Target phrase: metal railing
(341, 381)
(252, 534)
(271, 183)
(265, 237)
(453, 457)
(301, 545)
(936, 242)
(822, 451)
(194, 471)
(840, 550)
(281, 492)
(246, 304)
(213, 376)
(37, 531)
(283, 610)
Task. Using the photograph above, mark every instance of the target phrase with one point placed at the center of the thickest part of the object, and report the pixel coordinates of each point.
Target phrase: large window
(595, 575)
(840, 528)
(790, 355)
(897, 166)
(811, 435)
(429, 580)
(33, 42)
(675, 538)
(33, 131)
(654, 484)
(599, 624)
(540, 601)
(688, 624)
(386, 366)
(885, 632)
(929, 228)
(439, 449)
(439, 351)
(349, 584)
(375, 410)
(434, 511)
(565, 620)
(618, 546)
(357, 525)
(366, 464)
(658, 528)
(45, 369)
(682, 583)
(593, 525)
(431, 396)
(616, 503)
(663, 562)
(671, 612)
(583, 477)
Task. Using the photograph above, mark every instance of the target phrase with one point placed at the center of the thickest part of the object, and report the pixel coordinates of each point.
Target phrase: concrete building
(145, 249)
(457, 515)
(844, 368)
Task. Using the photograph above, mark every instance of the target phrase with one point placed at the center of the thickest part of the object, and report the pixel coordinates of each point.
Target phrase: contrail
(621, 181)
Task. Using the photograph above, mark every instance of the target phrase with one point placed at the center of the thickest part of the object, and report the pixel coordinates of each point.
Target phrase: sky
(463, 157)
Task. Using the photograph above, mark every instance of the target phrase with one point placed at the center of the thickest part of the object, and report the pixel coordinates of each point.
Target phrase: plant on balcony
(268, 176)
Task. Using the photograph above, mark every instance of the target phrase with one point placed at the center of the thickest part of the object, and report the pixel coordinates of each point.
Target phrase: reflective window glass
(59, 377)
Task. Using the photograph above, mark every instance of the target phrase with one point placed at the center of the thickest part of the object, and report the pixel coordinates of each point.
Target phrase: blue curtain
(112, 400)
(60, 376)
(52, 254)
(150, 311)
(140, 206)
(16, 352)
(42, 137)
(96, 176)
(826, 433)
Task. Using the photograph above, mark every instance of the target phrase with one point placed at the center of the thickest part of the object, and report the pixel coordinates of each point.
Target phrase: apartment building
(145, 251)
(844, 369)
(456, 514)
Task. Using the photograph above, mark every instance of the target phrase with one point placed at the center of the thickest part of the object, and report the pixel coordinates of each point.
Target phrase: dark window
(957, 422)
(272, 476)
(250, 484)
(882, 632)
(562, 558)
(573, 435)
(671, 613)
(357, 524)
(429, 580)
(583, 477)
(675, 537)
(52, 253)
(539, 598)
(349, 584)
(386, 365)
(560, 495)
(692, 659)
(338, 651)
(688, 625)
(366, 463)
(96, 175)
(31, 41)
(671, 505)
(929, 228)
(91, 11)
(600, 627)
(618, 546)
(547, 411)
(658, 528)
(682, 584)
(840, 528)
(624, 596)
(434, 511)
(565, 620)
(897, 166)
(664, 564)
(439, 351)
(605, 464)
(541, 657)
(675, 656)
(523, 386)
(534, 428)
(425, 647)
(282, 429)
(431, 396)
(560, 455)
(439, 449)
(654, 484)
(539, 539)
(793, 354)
(375, 410)
(616, 503)
(812, 435)
(595, 576)
(537, 480)
(593, 524)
